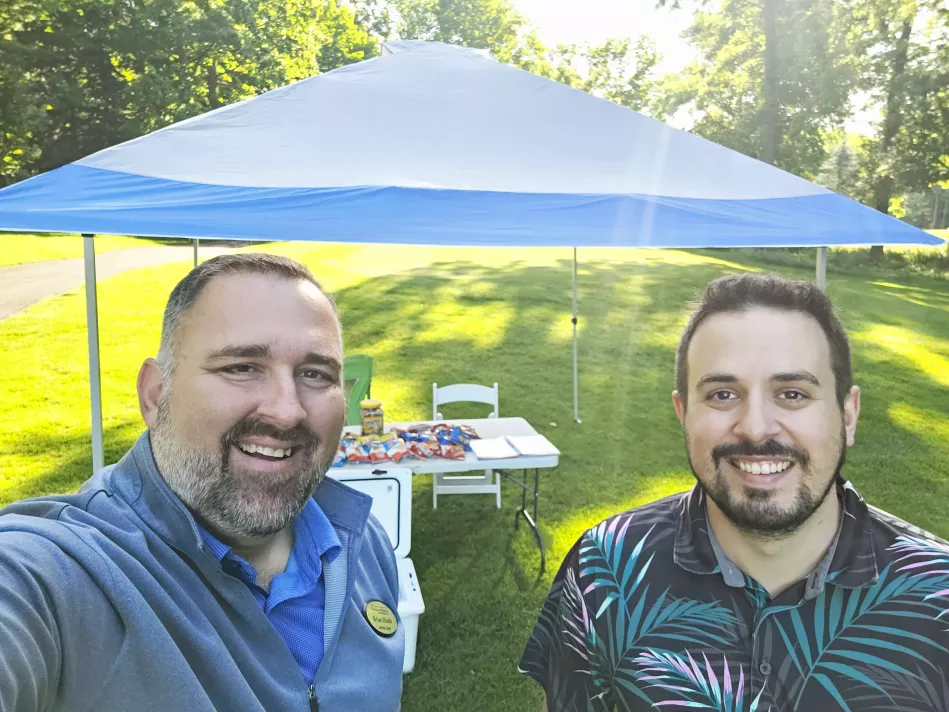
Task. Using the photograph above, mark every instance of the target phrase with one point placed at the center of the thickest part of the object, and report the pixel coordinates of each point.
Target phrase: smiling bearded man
(213, 567)
(771, 586)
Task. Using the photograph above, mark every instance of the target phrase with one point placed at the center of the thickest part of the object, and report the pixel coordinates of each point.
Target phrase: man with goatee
(771, 586)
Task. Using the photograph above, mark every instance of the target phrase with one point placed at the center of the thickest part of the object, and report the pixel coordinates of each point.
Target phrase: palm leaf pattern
(925, 555)
(847, 628)
(629, 616)
(921, 693)
(695, 685)
(568, 624)
(618, 575)
(875, 638)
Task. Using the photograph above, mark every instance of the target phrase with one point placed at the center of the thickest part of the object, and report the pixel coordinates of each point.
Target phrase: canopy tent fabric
(434, 144)
(437, 144)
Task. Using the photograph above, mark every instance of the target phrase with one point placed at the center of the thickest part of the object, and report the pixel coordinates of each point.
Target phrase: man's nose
(757, 420)
(281, 405)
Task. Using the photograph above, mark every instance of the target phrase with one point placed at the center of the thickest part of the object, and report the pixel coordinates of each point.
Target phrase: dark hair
(187, 291)
(738, 293)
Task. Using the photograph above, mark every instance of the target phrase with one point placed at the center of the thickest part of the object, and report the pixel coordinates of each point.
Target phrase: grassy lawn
(450, 315)
(19, 249)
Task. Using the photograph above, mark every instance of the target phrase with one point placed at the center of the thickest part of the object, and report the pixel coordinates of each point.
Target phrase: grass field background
(16, 249)
(486, 315)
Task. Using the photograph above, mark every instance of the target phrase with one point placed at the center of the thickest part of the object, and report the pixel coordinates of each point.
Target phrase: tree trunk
(893, 119)
(770, 135)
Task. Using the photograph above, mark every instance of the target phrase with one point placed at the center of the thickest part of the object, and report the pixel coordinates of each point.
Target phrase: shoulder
(653, 524)
(51, 537)
(900, 537)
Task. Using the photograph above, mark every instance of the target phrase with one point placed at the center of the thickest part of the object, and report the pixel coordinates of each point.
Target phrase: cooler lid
(391, 492)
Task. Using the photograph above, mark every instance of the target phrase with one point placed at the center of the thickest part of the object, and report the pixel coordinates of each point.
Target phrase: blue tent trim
(94, 200)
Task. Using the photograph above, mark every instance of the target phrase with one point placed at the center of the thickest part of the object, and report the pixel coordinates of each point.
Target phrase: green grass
(490, 315)
(19, 249)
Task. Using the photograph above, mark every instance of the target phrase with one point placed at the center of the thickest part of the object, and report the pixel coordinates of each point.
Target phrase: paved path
(22, 285)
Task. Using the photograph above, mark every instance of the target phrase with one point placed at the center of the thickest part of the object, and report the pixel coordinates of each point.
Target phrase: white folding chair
(487, 483)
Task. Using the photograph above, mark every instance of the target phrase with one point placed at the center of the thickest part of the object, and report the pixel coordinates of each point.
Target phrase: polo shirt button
(765, 668)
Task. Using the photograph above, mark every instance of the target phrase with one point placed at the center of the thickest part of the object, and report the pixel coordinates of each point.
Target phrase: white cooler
(391, 492)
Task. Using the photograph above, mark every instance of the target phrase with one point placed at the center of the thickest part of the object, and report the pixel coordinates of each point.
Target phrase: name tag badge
(381, 618)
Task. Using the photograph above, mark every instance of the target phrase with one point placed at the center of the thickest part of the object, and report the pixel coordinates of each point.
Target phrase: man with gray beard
(213, 567)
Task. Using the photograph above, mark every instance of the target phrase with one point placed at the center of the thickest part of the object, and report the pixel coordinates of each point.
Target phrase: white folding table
(485, 428)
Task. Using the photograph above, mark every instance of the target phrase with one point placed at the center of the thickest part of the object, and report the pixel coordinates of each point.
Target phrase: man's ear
(851, 413)
(679, 406)
(149, 391)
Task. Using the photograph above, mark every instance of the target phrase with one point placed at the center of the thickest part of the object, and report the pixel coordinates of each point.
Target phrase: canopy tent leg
(92, 334)
(576, 393)
(821, 268)
(196, 252)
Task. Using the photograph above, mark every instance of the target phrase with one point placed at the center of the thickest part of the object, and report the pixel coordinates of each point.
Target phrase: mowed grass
(16, 248)
(451, 315)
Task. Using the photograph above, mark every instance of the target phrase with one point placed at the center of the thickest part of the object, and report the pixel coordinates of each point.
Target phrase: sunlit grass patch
(16, 248)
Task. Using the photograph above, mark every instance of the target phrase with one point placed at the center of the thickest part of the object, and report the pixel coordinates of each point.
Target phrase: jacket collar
(850, 562)
(137, 480)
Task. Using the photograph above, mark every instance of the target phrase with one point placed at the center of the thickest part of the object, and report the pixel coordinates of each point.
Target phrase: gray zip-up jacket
(109, 601)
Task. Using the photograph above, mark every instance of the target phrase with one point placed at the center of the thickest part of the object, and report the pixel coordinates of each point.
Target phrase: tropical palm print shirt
(647, 612)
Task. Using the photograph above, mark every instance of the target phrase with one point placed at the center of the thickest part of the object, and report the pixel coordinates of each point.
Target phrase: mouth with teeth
(266, 453)
(760, 467)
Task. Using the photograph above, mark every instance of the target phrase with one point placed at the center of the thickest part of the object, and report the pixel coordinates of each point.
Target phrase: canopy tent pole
(576, 396)
(92, 334)
(196, 251)
(821, 268)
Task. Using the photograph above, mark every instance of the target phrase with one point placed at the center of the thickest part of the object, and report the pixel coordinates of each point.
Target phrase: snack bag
(396, 449)
(356, 452)
(376, 451)
(452, 452)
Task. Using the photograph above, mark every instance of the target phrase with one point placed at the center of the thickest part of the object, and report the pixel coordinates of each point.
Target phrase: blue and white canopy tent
(439, 145)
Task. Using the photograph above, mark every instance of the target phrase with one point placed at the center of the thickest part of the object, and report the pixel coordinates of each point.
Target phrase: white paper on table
(532, 445)
(492, 449)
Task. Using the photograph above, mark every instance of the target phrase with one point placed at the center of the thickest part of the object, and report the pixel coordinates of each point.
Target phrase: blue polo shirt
(294, 604)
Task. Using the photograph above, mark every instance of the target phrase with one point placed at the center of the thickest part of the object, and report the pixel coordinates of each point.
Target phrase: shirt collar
(850, 562)
(313, 538)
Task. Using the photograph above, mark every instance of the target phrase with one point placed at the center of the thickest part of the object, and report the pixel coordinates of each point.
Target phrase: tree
(840, 169)
(618, 70)
(905, 67)
(80, 75)
(772, 79)
(494, 25)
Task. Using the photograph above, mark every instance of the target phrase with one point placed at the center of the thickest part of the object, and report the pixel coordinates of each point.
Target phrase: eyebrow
(788, 377)
(795, 376)
(263, 351)
(322, 360)
(241, 351)
(716, 378)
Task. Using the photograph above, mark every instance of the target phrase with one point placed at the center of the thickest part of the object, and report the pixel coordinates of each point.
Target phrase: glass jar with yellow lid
(370, 416)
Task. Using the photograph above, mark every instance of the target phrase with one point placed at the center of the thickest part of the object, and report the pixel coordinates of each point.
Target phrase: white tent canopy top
(435, 144)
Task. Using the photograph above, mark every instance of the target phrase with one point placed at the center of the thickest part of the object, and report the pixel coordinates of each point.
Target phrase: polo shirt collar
(851, 560)
(313, 538)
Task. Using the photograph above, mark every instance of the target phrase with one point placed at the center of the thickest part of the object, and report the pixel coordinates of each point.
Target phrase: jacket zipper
(314, 703)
